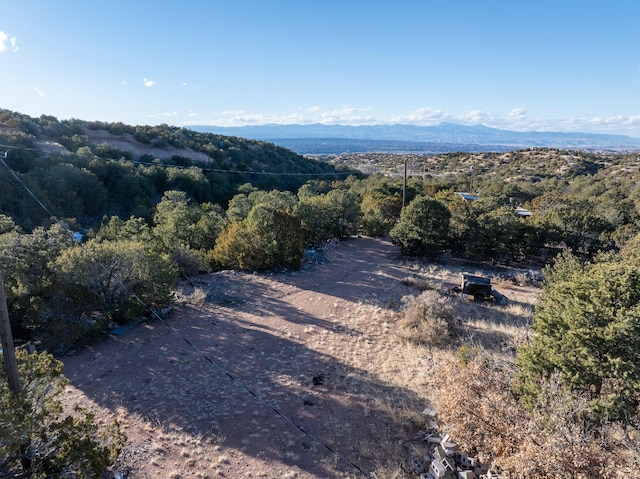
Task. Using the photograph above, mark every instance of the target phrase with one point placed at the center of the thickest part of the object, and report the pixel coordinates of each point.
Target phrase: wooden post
(8, 350)
(404, 185)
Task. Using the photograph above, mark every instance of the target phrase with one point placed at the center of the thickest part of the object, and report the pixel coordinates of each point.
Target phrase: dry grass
(377, 379)
(428, 319)
(422, 284)
(410, 361)
(485, 328)
(197, 298)
(405, 412)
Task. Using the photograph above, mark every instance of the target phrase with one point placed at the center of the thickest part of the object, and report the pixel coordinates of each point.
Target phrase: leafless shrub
(521, 279)
(421, 284)
(429, 320)
(482, 413)
(197, 298)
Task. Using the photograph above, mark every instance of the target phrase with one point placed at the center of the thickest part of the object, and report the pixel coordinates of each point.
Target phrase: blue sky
(522, 65)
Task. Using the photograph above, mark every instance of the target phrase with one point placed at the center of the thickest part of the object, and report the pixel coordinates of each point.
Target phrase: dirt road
(270, 376)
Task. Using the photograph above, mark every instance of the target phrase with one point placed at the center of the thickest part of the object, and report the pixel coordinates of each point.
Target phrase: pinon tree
(423, 228)
(587, 331)
(268, 238)
(37, 439)
(97, 283)
(380, 211)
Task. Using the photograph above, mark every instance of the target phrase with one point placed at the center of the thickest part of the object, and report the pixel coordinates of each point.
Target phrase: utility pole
(404, 185)
(9, 358)
(8, 350)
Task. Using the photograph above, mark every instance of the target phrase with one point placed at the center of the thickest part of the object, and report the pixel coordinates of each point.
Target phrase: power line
(214, 170)
(262, 400)
(18, 148)
(242, 172)
(221, 368)
(32, 194)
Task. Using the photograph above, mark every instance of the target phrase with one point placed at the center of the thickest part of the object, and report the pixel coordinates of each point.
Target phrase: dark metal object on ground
(479, 288)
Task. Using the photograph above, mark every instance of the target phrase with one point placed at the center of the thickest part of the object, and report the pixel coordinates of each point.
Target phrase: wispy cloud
(517, 113)
(346, 115)
(163, 114)
(148, 83)
(8, 42)
(39, 92)
(516, 119)
(192, 86)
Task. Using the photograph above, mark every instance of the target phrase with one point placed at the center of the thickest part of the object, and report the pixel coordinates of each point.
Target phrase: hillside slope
(49, 136)
(83, 171)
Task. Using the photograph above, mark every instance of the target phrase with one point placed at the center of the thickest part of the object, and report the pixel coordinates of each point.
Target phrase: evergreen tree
(587, 330)
(423, 228)
(37, 439)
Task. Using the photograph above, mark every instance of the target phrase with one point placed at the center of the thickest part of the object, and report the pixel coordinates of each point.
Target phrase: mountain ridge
(442, 137)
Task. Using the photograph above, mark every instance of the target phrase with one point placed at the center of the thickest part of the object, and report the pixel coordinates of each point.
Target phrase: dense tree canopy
(587, 329)
(226, 212)
(126, 223)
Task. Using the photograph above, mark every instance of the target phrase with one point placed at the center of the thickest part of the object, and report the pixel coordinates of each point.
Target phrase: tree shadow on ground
(362, 271)
(254, 375)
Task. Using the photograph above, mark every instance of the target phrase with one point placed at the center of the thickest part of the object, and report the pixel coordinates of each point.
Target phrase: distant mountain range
(445, 137)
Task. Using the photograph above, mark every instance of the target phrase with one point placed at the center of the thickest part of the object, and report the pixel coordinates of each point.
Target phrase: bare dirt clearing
(318, 346)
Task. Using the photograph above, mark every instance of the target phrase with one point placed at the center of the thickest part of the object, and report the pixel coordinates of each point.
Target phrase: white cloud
(39, 92)
(163, 114)
(475, 117)
(347, 115)
(148, 83)
(517, 113)
(516, 119)
(428, 116)
(8, 42)
(422, 116)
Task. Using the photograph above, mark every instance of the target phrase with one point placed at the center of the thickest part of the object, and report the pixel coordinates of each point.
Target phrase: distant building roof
(467, 196)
